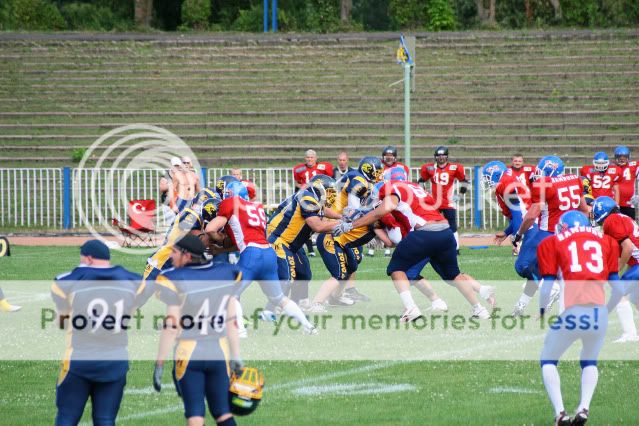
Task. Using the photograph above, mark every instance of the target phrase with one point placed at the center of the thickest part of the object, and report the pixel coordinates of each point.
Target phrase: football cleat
(563, 419)
(625, 338)
(370, 252)
(519, 309)
(342, 300)
(268, 316)
(411, 314)
(438, 305)
(580, 418)
(316, 308)
(304, 304)
(8, 307)
(480, 312)
(354, 294)
(312, 254)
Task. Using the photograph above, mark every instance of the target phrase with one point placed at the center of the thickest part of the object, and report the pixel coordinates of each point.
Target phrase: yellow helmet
(245, 392)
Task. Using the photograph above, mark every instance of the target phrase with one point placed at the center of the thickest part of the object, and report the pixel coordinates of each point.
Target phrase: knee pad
(587, 363)
(548, 361)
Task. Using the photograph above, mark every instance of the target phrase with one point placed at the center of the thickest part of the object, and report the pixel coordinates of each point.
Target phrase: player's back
(352, 183)
(559, 194)
(585, 257)
(246, 222)
(289, 224)
(621, 227)
(415, 206)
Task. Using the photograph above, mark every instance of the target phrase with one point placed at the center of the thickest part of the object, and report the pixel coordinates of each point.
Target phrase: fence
(61, 198)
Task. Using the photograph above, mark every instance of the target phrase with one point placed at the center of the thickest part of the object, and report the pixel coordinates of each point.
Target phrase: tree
(143, 12)
(487, 16)
(346, 7)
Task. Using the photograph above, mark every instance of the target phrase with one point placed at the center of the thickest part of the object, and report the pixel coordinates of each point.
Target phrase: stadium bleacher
(260, 100)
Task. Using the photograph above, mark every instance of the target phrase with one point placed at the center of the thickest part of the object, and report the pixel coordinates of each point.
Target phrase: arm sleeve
(166, 291)
(423, 174)
(226, 208)
(613, 227)
(515, 222)
(461, 173)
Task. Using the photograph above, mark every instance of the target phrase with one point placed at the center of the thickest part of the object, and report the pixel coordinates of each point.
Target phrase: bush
(441, 16)
(30, 15)
(90, 17)
(408, 14)
(196, 13)
(250, 20)
(77, 154)
(323, 16)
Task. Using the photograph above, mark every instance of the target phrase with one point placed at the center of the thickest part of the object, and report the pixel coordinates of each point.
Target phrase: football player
(442, 175)
(625, 231)
(389, 158)
(5, 306)
(295, 219)
(586, 259)
(552, 193)
(600, 175)
(192, 220)
(245, 222)
(519, 170)
(96, 359)
(625, 185)
(430, 237)
(200, 329)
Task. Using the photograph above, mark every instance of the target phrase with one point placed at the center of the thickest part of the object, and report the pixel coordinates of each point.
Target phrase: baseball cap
(175, 161)
(96, 249)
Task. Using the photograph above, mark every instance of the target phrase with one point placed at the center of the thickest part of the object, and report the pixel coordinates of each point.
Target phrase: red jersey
(511, 191)
(559, 194)
(250, 188)
(600, 182)
(416, 206)
(585, 258)
(442, 180)
(389, 222)
(522, 174)
(398, 164)
(302, 173)
(246, 222)
(626, 183)
(621, 227)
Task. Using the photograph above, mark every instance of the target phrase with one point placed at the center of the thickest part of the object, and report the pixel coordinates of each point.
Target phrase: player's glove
(157, 377)
(634, 200)
(516, 238)
(236, 366)
(342, 228)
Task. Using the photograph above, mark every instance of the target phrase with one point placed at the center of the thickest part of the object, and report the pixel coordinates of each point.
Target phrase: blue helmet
(603, 207)
(600, 161)
(222, 182)
(395, 173)
(236, 189)
(570, 220)
(622, 151)
(492, 173)
(549, 166)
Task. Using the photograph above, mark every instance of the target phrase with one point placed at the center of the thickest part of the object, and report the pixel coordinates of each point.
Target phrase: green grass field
(331, 392)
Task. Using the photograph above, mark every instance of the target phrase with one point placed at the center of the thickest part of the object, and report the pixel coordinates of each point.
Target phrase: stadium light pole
(407, 68)
(265, 16)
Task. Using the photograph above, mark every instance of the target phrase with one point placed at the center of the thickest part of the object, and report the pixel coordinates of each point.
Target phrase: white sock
(552, 382)
(292, 310)
(457, 239)
(239, 313)
(407, 299)
(624, 312)
(524, 299)
(589, 377)
(485, 291)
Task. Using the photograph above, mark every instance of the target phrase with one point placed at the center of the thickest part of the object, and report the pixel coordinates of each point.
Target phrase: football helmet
(245, 392)
(387, 153)
(220, 184)
(395, 173)
(570, 220)
(622, 155)
(371, 168)
(603, 207)
(205, 194)
(441, 155)
(330, 187)
(209, 210)
(236, 189)
(491, 173)
(373, 197)
(549, 166)
(600, 161)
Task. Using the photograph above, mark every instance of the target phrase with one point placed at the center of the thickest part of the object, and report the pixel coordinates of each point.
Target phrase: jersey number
(309, 175)
(98, 311)
(569, 198)
(256, 215)
(204, 318)
(626, 174)
(592, 248)
(600, 182)
(441, 178)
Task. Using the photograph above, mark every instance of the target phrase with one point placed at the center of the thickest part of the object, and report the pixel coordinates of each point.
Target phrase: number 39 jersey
(559, 194)
(621, 227)
(585, 258)
(246, 222)
(415, 207)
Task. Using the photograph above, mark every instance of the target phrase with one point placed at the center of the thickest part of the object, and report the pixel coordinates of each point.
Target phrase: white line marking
(511, 389)
(148, 390)
(353, 389)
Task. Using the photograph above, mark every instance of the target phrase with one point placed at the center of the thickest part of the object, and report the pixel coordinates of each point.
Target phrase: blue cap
(96, 249)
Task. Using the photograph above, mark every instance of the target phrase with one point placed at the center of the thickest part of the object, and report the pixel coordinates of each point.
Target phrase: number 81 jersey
(560, 194)
(246, 222)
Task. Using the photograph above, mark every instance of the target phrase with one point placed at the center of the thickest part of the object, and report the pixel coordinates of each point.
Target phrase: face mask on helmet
(221, 183)
(245, 392)
(491, 174)
(600, 162)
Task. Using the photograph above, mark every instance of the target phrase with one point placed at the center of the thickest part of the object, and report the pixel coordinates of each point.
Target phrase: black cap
(191, 244)
(96, 249)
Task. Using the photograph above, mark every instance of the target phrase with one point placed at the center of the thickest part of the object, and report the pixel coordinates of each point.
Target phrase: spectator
(250, 186)
(342, 166)
(304, 172)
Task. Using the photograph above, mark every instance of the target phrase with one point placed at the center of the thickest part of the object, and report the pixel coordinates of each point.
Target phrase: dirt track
(466, 240)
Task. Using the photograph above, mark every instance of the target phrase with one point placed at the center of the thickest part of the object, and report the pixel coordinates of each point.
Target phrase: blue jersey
(100, 303)
(289, 226)
(202, 292)
(352, 183)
